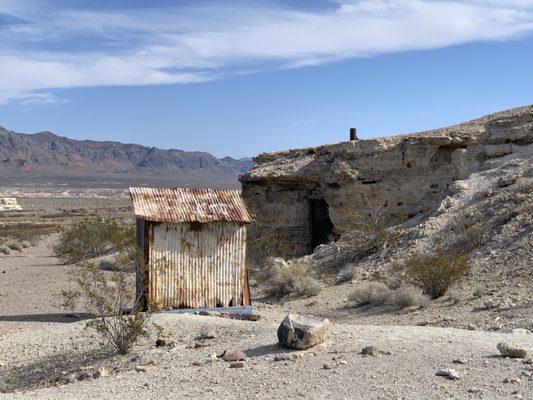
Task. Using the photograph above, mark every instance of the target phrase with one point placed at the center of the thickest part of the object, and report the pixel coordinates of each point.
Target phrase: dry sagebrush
(293, 278)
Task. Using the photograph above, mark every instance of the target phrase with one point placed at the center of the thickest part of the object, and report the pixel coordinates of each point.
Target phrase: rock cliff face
(304, 195)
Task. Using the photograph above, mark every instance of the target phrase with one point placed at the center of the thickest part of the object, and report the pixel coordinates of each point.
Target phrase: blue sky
(239, 78)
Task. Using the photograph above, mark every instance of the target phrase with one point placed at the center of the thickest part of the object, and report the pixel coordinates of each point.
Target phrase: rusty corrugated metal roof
(189, 205)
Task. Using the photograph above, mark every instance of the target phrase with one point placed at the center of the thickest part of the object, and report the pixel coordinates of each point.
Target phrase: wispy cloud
(45, 47)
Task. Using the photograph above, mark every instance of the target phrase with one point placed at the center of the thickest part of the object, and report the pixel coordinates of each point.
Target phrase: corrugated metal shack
(194, 247)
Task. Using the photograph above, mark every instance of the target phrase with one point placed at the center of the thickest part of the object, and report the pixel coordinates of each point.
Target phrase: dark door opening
(320, 223)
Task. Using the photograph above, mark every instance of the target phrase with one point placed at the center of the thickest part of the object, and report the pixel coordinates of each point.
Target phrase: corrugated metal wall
(198, 265)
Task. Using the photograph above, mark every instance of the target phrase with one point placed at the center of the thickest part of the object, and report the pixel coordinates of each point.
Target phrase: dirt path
(29, 283)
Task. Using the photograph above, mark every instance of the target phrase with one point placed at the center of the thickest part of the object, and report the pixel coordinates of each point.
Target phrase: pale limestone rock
(301, 332)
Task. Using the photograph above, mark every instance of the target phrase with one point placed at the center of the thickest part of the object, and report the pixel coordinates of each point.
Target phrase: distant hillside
(47, 158)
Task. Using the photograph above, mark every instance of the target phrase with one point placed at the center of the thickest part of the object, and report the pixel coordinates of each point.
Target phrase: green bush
(94, 238)
(436, 273)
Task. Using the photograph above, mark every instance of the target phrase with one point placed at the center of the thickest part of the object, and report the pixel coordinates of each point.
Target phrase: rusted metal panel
(198, 265)
(189, 205)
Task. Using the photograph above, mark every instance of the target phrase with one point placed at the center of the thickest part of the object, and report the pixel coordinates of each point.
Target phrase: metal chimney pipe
(353, 134)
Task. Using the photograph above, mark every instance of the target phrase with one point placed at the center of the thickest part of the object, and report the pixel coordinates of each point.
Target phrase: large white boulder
(301, 332)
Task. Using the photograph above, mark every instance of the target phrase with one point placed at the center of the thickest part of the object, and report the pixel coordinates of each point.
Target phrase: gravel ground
(183, 371)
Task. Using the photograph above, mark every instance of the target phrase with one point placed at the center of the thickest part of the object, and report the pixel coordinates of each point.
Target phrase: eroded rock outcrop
(304, 195)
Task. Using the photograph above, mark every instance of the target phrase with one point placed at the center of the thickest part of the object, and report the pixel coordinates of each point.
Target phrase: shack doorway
(320, 224)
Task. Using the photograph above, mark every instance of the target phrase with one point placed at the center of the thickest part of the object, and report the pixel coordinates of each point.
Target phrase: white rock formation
(9, 204)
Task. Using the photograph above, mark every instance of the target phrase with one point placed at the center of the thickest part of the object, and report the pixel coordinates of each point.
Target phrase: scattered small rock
(509, 350)
(160, 343)
(459, 361)
(149, 369)
(210, 334)
(370, 351)
(512, 380)
(235, 356)
(326, 366)
(448, 373)
(282, 357)
(101, 373)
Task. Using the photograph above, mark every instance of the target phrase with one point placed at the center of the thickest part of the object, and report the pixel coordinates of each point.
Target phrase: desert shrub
(407, 296)
(371, 293)
(291, 279)
(5, 250)
(26, 231)
(379, 294)
(25, 244)
(393, 282)
(13, 245)
(112, 300)
(94, 238)
(436, 273)
(268, 242)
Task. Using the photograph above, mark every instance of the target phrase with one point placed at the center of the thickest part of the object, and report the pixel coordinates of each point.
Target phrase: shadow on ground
(52, 371)
(56, 317)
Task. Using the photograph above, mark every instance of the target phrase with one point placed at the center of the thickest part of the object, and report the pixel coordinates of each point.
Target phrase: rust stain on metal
(191, 268)
(189, 205)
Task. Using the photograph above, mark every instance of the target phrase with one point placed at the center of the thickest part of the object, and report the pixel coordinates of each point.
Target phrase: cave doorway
(319, 222)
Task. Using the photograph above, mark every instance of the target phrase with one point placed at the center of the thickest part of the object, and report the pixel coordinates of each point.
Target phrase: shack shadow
(62, 318)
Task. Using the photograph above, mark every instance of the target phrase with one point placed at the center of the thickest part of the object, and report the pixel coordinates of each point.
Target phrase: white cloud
(187, 45)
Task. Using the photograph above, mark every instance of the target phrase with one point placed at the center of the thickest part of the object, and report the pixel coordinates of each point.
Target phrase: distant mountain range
(45, 158)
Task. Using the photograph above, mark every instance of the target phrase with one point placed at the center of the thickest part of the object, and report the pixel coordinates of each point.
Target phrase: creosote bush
(436, 273)
(112, 301)
(94, 238)
(293, 278)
